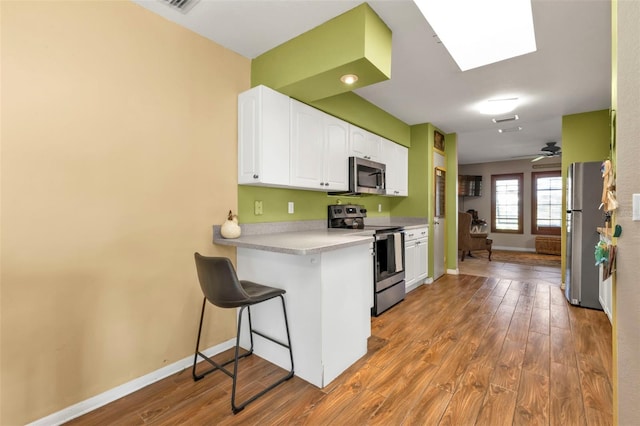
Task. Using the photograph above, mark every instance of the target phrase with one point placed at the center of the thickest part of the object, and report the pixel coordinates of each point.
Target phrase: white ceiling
(569, 73)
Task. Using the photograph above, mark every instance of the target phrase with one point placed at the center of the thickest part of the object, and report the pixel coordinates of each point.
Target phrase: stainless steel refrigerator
(584, 191)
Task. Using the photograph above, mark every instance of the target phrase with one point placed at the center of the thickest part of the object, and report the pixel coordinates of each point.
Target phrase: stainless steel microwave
(366, 176)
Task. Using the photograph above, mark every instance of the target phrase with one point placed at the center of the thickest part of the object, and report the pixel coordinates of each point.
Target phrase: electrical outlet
(379, 208)
(290, 207)
(257, 208)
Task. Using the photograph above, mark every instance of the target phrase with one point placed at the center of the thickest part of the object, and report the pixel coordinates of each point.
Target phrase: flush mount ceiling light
(349, 78)
(506, 119)
(498, 106)
(478, 33)
(510, 129)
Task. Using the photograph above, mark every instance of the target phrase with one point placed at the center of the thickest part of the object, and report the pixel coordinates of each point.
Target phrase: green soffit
(309, 66)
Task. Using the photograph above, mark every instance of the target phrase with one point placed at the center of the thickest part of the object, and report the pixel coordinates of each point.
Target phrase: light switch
(290, 207)
(636, 207)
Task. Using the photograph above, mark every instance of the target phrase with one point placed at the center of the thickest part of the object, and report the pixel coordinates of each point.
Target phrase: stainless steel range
(388, 265)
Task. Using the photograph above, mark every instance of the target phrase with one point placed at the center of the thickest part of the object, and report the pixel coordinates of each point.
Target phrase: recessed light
(349, 78)
(505, 119)
(498, 106)
(510, 129)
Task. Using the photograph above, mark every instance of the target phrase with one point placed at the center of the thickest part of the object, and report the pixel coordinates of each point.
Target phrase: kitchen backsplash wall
(308, 205)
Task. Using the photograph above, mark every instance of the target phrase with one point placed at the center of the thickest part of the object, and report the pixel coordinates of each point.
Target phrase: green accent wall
(308, 205)
(420, 162)
(451, 208)
(356, 110)
(585, 137)
(309, 66)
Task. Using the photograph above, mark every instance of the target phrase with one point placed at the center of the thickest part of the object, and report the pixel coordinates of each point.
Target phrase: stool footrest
(234, 376)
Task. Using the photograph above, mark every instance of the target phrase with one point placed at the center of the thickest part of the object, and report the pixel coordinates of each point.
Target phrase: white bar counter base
(328, 278)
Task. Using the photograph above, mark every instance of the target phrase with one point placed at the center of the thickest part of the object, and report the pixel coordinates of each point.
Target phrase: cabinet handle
(321, 183)
(255, 176)
(326, 184)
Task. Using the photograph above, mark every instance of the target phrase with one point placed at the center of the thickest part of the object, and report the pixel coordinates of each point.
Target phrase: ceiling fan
(550, 150)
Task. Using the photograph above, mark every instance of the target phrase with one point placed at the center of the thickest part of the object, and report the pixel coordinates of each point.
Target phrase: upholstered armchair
(467, 242)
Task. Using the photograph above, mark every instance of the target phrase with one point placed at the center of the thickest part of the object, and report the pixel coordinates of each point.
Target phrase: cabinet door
(421, 259)
(336, 154)
(364, 144)
(263, 137)
(410, 266)
(396, 158)
(307, 146)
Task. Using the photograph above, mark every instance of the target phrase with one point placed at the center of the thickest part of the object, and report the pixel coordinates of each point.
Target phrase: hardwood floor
(503, 348)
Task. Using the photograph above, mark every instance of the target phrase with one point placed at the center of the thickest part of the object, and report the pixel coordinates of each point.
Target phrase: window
(506, 203)
(546, 203)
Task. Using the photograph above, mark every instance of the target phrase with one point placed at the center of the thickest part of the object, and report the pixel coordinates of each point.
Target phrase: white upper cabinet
(364, 144)
(319, 150)
(263, 137)
(396, 158)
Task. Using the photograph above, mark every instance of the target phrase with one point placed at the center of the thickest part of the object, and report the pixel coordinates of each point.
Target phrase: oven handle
(384, 235)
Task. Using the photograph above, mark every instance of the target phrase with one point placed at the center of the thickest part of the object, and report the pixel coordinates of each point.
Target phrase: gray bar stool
(222, 288)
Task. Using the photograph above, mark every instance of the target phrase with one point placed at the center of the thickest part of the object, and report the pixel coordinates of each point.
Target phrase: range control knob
(363, 210)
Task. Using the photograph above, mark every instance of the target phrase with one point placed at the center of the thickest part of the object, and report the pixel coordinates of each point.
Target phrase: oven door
(389, 259)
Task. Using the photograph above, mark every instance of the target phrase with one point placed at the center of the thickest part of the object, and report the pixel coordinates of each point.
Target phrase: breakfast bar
(327, 275)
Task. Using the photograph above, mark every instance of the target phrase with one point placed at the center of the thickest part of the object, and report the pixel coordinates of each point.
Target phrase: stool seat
(222, 288)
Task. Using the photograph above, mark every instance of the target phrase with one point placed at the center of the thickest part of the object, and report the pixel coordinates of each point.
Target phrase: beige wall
(118, 154)
(526, 240)
(627, 299)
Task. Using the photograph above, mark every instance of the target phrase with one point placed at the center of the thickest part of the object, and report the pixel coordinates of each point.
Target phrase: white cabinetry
(415, 257)
(263, 137)
(319, 149)
(396, 158)
(605, 294)
(364, 144)
(328, 299)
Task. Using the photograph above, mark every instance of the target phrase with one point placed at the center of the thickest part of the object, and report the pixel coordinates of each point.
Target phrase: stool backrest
(219, 282)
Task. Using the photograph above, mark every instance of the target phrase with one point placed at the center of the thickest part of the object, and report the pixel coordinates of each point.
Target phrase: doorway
(439, 222)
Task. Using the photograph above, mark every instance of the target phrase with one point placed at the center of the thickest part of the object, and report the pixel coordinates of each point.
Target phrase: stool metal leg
(237, 408)
(237, 356)
(215, 365)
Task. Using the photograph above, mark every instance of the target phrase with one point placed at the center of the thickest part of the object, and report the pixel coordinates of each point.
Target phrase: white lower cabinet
(605, 294)
(328, 297)
(415, 257)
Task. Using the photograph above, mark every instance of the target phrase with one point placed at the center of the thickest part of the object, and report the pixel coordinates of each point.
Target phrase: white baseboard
(118, 392)
(453, 271)
(429, 280)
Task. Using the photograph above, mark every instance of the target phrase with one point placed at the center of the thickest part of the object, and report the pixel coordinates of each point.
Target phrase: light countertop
(301, 242)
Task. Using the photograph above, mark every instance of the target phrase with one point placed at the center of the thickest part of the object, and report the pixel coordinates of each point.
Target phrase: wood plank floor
(464, 350)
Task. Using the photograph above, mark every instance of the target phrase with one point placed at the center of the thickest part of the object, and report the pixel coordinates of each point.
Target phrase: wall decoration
(438, 140)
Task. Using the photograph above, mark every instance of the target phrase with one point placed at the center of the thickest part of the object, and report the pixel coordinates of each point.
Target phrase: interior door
(439, 228)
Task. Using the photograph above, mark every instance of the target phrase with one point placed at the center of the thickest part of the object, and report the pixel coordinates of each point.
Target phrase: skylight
(481, 32)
